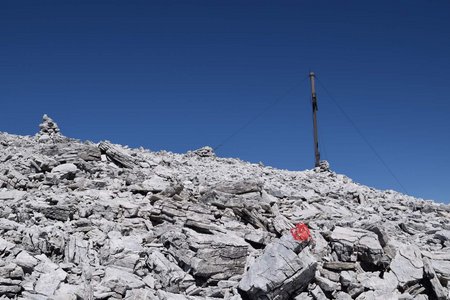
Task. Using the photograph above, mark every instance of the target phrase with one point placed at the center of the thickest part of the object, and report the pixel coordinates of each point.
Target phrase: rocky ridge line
(80, 220)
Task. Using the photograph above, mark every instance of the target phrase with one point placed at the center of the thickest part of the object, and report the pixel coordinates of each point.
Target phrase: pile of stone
(80, 220)
(48, 129)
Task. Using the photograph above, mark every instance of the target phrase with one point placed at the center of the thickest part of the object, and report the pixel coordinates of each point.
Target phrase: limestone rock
(407, 265)
(120, 281)
(284, 268)
(65, 171)
(49, 282)
(26, 261)
(205, 152)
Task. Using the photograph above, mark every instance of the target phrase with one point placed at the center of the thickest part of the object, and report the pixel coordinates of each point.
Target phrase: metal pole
(314, 110)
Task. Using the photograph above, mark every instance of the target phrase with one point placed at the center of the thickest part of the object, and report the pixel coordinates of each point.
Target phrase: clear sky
(178, 75)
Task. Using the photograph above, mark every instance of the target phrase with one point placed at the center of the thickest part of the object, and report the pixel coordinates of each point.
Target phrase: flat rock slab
(12, 195)
(170, 275)
(119, 280)
(214, 257)
(281, 270)
(239, 187)
(407, 265)
(49, 282)
(348, 242)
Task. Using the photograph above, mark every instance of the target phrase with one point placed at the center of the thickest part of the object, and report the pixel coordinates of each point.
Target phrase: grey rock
(440, 292)
(339, 266)
(155, 184)
(56, 212)
(65, 171)
(119, 280)
(10, 289)
(10, 270)
(5, 245)
(407, 265)
(351, 244)
(342, 296)
(170, 275)
(326, 284)
(318, 294)
(204, 152)
(141, 294)
(217, 257)
(347, 278)
(26, 261)
(371, 295)
(443, 235)
(117, 155)
(387, 284)
(76, 249)
(303, 296)
(442, 268)
(284, 268)
(49, 282)
(239, 187)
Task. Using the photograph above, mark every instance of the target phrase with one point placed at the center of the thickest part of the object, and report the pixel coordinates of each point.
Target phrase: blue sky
(178, 75)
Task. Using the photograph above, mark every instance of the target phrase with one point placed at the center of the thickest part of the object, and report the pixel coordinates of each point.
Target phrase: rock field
(80, 220)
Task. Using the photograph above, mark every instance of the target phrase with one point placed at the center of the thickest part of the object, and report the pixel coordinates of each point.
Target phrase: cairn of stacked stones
(80, 220)
(48, 129)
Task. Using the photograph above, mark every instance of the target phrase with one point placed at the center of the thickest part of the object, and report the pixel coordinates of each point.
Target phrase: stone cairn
(48, 129)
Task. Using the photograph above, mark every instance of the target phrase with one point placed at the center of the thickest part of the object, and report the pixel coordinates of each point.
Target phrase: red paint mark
(301, 232)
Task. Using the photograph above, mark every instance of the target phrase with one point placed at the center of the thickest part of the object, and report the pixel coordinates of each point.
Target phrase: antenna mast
(314, 110)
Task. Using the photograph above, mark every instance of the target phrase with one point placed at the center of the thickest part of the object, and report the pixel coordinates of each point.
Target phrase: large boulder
(284, 268)
(351, 244)
(210, 257)
(407, 265)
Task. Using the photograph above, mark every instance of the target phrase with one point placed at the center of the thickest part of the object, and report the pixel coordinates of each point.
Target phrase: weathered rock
(317, 293)
(239, 187)
(65, 171)
(116, 155)
(49, 282)
(11, 270)
(204, 152)
(407, 265)
(284, 268)
(440, 292)
(10, 289)
(26, 261)
(327, 285)
(120, 281)
(214, 257)
(352, 244)
(5, 246)
(373, 281)
(155, 184)
(58, 212)
(170, 275)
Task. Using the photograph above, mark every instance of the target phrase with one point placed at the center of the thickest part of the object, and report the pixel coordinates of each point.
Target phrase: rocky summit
(83, 220)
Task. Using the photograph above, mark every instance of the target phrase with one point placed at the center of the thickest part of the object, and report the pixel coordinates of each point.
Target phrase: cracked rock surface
(84, 220)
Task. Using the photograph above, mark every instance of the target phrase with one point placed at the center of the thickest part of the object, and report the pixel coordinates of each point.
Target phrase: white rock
(407, 265)
(155, 184)
(25, 260)
(49, 282)
(64, 171)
